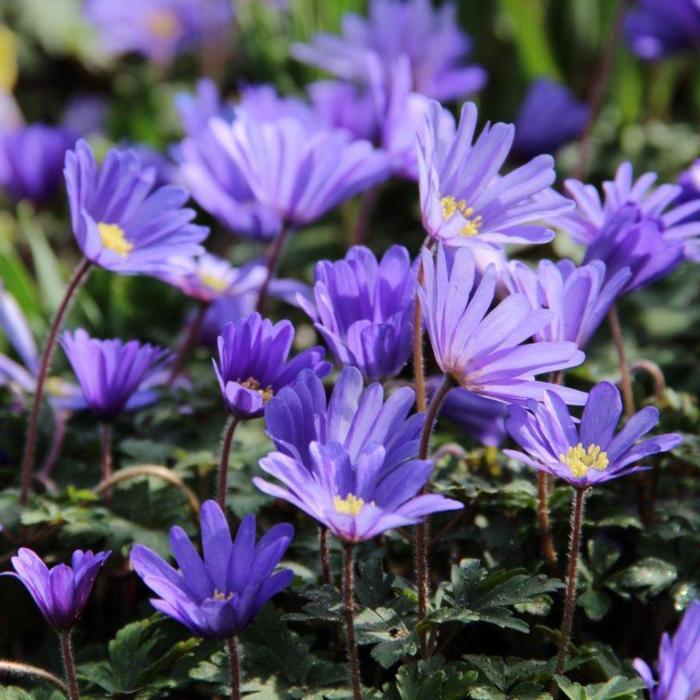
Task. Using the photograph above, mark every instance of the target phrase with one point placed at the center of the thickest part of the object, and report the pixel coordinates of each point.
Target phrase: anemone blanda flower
(253, 363)
(689, 180)
(578, 297)
(31, 161)
(656, 28)
(679, 661)
(591, 452)
(113, 375)
(120, 221)
(431, 38)
(464, 201)
(486, 352)
(61, 592)
(216, 595)
(349, 463)
(549, 117)
(364, 309)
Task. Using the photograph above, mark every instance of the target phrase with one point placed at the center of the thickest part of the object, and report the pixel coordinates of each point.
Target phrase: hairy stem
(106, 458)
(625, 376)
(349, 614)
(325, 554)
(271, 264)
(229, 430)
(69, 665)
(43, 476)
(15, 668)
(194, 330)
(232, 648)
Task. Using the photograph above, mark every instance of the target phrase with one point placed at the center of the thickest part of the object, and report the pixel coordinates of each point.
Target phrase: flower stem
(69, 665)
(349, 613)
(272, 263)
(625, 376)
(232, 649)
(364, 215)
(14, 668)
(27, 467)
(571, 577)
(43, 476)
(106, 458)
(325, 554)
(193, 332)
(229, 430)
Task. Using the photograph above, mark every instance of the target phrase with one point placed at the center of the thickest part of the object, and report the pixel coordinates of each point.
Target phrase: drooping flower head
(61, 592)
(364, 310)
(253, 363)
(549, 117)
(657, 28)
(216, 595)
(431, 39)
(679, 661)
(113, 375)
(588, 453)
(578, 297)
(31, 161)
(484, 351)
(464, 200)
(120, 222)
(350, 462)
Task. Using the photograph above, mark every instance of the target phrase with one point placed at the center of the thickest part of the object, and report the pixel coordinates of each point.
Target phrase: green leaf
(645, 578)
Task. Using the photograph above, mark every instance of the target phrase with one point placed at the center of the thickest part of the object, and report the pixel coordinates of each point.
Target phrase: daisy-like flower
(578, 297)
(689, 180)
(216, 595)
(590, 453)
(364, 310)
(253, 364)
(120, 221)
(464, 200)
(486, 352)
(679, 661)
(349, 463)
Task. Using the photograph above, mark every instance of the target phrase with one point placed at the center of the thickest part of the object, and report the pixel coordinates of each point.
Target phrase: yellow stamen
(163, 24)
(114, 238)
(351, 505)
(451, 206)
(218, 284)
(580, 460)
(218, 595)
(253, 384)
(8, 58)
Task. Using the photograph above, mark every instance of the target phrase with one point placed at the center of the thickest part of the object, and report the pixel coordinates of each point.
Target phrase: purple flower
(464, 201)
(157, 29)
(656, 28)
(120, 222)
(195, 110)
(364, 310)
(31, 161)
(113, 375)
(253, 363)
(590, 453)
(61, 592)
(349, 463)
(431, 38)
(689, 180)
(342, 105)
(216, 595)
(679, 661)
(263, 103)
(486, 352)
(549, 117)
(578, 297)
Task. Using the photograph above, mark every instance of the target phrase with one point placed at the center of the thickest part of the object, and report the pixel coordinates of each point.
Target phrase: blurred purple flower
(31, 161)
(349, 463)
(689, 180)
(120, 221)
(113, 375)
(549, 117)
(218, 594)
(486, 353)
(590, 453)
(431, 39)
(61, 592)
(263, 103)
(464, 201)
(364, 310)
(195, 110)
(679, 661)
(253, 363)
(578, 297)
(343, 105)
(656, 28)
(85, 114)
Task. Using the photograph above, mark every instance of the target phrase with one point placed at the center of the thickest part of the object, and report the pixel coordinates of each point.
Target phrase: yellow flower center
(351, 505)
(254, 385)
(580, 460)
(451, 206)
(218, 595)
(163, 24)
(114, 238)
(218, 284)
(8, 58)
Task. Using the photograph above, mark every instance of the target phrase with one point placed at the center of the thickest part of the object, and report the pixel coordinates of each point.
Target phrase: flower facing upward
(364, 310)
(120, 221)
(590, 453)
(349, 463)
(485, 352)
(578, 297)
(62, 591)
(253, 363)
(464, 201)
(218, 594)
(113, 375)
(679, 661)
